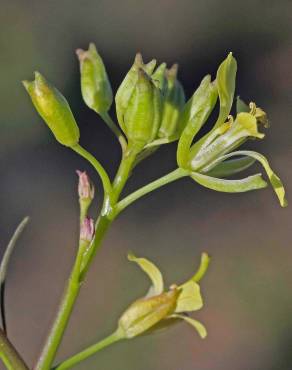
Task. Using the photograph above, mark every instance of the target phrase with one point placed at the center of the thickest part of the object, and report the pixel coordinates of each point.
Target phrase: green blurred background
(248, 310)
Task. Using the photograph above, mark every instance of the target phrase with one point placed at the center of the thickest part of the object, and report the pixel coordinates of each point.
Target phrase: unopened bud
(95, 85)
(87, 230)
(85, 192)
(143, 114)
(54, 109)
(85, 187)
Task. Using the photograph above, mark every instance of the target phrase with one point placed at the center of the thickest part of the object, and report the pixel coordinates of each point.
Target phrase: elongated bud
(95, 86)
(54, 109)
(174, 100)
(127, 86)
(85, 187)
(87, 230)
(85, 192)
(147, 312)
(143, 114)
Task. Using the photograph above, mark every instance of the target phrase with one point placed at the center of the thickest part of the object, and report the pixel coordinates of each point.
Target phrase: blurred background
(247, 291)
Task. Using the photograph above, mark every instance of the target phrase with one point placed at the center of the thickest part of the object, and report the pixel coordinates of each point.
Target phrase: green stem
(9, 354)
(170, 177)
(81, 356)
(98, 167)
(69, 298)
(108, 120)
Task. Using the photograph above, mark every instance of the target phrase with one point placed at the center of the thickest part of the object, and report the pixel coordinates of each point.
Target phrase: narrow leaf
(230, 186)
(4, 267)
(152, 271)
(194, 323)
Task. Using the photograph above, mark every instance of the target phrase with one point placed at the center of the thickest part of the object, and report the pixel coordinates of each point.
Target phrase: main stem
(65, 309)
(9, 354)
(73, 287)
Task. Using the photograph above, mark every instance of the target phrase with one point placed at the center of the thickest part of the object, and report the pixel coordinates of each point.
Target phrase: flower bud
(85, 192)
(127, 86)
(85, 187)
(143, 114)
(54, 109)
(146, 312)
(174, 100)
(87, 230)
(95, 86)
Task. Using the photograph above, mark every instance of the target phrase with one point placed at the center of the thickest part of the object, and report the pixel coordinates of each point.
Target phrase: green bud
(54, 109)
(143, 114)
(147, 312)
(174, 101)
(95, 85)
(127, 87)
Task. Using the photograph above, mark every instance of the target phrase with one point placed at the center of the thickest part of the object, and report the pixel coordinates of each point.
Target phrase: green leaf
(274, 179)
(230, 186)
(5, 263)
(194, 115)
(152, 271)
(241, 106)
(229, 168)
(190, 298)
(225, 80)
(194, 323)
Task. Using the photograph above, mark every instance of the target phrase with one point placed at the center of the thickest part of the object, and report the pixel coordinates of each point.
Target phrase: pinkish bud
(87, 229)
(85, 187)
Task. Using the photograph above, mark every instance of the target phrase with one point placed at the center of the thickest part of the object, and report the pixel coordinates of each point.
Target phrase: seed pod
(173, 103)
(143, 114)
(146, 312)
(127, 86)
(54, 109)
(95, 85)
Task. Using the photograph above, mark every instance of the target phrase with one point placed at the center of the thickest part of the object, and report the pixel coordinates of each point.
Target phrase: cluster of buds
(151, 111)
(162, 308)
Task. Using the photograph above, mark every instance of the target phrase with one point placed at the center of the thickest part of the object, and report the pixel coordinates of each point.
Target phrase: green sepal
(229, 168)
(173, 103)
(200, 328)
(152, 271)
(54, 109)
(95, 86)
(241, 106)
(158, 77)
(249, 183)
(225, 81)
(194, 115)
(145, 313)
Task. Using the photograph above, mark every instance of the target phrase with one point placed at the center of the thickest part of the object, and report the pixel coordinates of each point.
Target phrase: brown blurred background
(248, 310)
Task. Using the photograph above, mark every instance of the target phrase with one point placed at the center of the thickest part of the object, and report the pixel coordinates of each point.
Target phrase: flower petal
(230, 186)
(195, 323)
(152, 271)
(274, 179)
(190, 298)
